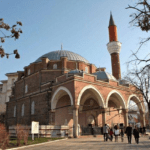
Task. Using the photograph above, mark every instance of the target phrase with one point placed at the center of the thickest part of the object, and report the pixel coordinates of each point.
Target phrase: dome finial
(61, 46)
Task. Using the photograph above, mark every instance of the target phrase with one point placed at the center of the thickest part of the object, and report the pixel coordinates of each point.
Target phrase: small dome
(76, 71)
(123, 82)
(55, 55)
(102, 75)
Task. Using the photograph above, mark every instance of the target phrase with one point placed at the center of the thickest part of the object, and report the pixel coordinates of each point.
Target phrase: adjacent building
(6, 89)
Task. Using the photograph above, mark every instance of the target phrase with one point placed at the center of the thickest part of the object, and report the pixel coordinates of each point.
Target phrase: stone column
(104, 110)
(75, 121)
(125, 111)
(52, 117)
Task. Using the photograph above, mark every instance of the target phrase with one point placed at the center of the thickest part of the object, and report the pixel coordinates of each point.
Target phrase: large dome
(55, 55)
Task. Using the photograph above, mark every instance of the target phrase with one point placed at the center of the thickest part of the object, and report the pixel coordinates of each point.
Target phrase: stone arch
(136, 100)
(55, 99)
(119, 96)
(98, 94)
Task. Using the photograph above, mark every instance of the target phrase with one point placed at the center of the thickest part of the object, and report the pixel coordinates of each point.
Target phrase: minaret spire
(111, 21)
(114, 47)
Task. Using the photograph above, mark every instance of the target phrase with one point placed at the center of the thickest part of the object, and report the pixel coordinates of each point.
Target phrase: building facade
(6, 89)
(63, 88)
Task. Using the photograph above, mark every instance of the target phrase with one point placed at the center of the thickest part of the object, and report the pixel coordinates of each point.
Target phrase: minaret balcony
(114, 47)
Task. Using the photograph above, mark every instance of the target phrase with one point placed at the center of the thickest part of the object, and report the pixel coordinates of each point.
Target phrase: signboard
(34, 127)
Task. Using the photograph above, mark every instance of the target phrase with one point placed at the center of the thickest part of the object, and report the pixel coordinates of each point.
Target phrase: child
(111, 134)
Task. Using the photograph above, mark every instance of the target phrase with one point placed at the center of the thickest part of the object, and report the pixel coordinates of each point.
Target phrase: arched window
(86, 69)
(22, 111)
(28, 71)
(32, 108)
(26, 88)
(14, 111)
(55, 66)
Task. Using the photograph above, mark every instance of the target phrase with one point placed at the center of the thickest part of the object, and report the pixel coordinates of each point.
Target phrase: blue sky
(81, 25)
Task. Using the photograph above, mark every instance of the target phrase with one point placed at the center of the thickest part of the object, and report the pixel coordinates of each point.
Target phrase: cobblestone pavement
(93, 143)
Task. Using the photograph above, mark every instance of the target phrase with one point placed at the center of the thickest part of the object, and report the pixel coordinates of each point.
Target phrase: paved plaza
(93, 143)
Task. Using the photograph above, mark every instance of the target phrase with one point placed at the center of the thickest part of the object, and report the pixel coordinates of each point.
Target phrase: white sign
(34, 127)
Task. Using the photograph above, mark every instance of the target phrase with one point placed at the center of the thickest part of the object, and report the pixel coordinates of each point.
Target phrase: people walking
(144, 130)
(141, 130)
(105, 132)
(129, 133)
(111, 134)
(122, 135)
(136, 134)
(116, 133)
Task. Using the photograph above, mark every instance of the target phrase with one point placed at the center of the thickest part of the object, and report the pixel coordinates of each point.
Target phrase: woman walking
(116, 133)
(136, 134)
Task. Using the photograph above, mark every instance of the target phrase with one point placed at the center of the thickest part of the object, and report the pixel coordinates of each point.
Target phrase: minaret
(114, 47)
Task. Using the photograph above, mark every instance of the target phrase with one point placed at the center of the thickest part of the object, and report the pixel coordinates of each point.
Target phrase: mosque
(63, 88)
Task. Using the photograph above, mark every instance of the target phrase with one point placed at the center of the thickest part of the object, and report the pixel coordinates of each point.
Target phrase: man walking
(129, 133)
(105, 132)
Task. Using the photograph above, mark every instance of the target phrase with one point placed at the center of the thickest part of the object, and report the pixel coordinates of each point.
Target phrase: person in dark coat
(141, 130)
(144, 130)
(129, 133)
(136, 135)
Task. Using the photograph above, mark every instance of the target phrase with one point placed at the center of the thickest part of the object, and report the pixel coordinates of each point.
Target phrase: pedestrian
(136, 134)
(111, 134)
(141, 130)
(144, 130)
(105, 132)
(129, 133)
(122, 135)
(116, 133)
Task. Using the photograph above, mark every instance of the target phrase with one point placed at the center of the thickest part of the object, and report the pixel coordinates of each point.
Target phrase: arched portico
(116, 106)
(91, 103)
(60, 106)
(140, 106)
(95, 92)
(61, 91)
(118, 96)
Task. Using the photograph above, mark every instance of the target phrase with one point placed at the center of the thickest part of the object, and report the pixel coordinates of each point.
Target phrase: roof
(76, 71)
(123, 82)
(56, 55)
(3, 81)
(103, 75)
(111, 21)
(11, 74)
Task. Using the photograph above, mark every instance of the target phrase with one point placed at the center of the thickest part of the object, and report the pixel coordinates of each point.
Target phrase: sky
(81, 25)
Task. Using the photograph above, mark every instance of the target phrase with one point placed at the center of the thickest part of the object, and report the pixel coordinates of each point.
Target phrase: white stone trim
(133, 95)
(100, 100)
(54, 100)
(114, 47)
(119, 94)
